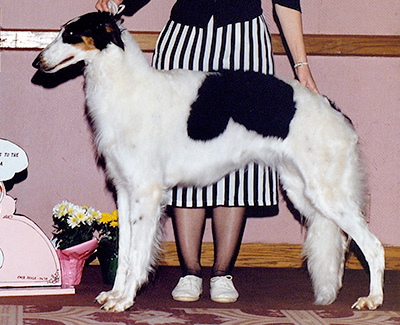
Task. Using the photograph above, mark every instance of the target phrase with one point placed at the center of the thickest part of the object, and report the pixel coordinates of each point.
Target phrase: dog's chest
(261, 103)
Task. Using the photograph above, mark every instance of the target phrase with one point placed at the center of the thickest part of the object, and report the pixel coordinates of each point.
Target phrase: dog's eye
(70, 37)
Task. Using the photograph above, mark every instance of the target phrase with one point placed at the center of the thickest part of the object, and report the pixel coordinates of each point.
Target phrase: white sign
(12, 160)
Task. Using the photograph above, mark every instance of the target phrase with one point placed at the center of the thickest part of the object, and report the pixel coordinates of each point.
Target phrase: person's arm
(292, 28)
(102, 5)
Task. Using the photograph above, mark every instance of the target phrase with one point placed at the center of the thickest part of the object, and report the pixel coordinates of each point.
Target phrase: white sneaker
(189, 288)
(222, 289)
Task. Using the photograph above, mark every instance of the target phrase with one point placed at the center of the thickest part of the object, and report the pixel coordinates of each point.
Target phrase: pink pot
(72, 260)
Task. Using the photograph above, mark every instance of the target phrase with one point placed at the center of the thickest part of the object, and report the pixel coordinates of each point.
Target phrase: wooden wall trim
(326, 45)
(272, 256)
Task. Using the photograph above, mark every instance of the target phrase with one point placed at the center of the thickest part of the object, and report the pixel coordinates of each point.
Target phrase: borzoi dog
(156, 129)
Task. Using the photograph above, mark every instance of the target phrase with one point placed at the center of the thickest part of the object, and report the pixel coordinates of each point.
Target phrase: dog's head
(79, 39)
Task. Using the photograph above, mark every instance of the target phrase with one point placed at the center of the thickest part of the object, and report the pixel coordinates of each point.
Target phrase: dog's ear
(115, 33)
(107, 31)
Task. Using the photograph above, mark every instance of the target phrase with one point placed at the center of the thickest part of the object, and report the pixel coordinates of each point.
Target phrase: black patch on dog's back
(261, 103)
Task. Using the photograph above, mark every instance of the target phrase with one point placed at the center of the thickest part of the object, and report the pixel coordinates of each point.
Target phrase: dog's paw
(117, 305)
(103, 297)
(111, 302)
(370, 302)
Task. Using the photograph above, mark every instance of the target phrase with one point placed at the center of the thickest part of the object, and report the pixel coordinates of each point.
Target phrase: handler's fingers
(102, 5)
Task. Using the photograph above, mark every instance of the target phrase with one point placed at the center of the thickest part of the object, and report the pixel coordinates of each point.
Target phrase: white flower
(60, 210)
(71, 209)
(93, 215)
(80, 214)
(73, 221)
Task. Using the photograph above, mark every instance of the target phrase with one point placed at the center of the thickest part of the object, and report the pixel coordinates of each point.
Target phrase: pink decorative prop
(72, 260)
(28, 261)
(27, 257)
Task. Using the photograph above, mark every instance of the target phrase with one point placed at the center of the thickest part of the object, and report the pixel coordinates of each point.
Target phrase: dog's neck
(105, 64)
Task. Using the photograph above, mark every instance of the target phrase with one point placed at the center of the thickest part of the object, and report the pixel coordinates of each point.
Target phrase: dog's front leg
(144, 224)
(123, 250)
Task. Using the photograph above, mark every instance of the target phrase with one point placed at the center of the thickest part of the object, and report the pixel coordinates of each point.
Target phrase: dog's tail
(324, 250)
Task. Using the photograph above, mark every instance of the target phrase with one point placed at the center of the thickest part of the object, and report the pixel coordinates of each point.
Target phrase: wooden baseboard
(272, 255)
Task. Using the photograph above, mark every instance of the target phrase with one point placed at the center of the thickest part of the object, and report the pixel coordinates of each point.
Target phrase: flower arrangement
(108, 232)
(73, 224)
(107, 251)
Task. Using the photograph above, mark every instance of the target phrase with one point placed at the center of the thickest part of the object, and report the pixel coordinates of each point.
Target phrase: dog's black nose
(36, 62)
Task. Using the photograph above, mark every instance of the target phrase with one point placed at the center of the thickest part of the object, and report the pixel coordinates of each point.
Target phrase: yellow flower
(114, 215)
(105, 218)
(114, 224)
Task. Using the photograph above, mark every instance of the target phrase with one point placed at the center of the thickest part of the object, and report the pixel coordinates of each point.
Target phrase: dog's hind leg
(341, 199)
(353, 223)
(325, 244)
(375, 256)
(335, 190)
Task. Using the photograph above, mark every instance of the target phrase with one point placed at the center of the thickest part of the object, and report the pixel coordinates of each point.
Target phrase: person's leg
(228, 225)
(189, 228)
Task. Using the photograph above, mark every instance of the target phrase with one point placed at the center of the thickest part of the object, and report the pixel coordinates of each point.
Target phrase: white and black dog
(156, 129)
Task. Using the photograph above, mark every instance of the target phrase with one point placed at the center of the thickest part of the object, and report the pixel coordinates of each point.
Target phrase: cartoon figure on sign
(27, 257)
(13, 160)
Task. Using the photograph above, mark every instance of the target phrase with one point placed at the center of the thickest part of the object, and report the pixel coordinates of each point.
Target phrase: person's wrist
(300, 64)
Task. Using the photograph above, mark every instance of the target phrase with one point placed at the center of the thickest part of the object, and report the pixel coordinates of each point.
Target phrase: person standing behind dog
(211, 35)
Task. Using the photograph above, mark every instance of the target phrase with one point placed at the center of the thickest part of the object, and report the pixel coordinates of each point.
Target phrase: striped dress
(237, 46)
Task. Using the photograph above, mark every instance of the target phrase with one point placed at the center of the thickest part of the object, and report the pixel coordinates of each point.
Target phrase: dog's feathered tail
(325, 238)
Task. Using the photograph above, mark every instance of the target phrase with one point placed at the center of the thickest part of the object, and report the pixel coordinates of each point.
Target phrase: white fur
(140, 125)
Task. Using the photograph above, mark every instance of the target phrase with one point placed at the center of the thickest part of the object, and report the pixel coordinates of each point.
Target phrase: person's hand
(102, 5)
(305, 77)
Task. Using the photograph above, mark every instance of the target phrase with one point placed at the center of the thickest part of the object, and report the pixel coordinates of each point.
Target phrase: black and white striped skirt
(240, 46)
